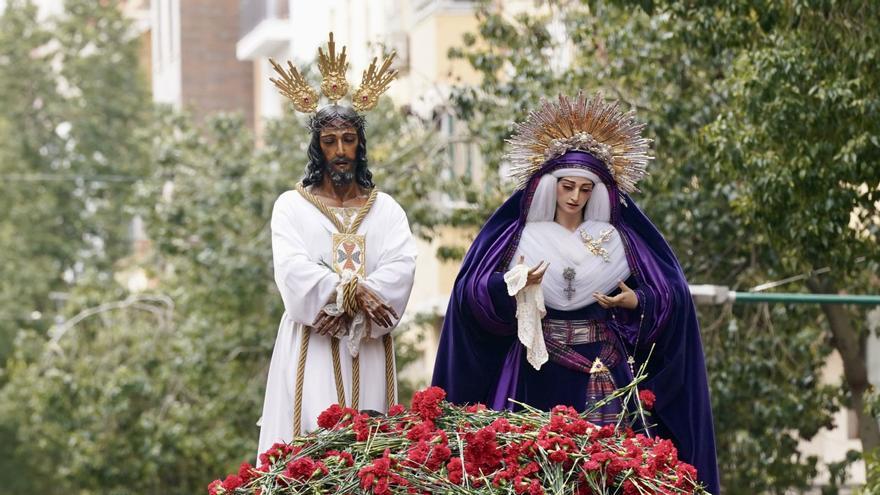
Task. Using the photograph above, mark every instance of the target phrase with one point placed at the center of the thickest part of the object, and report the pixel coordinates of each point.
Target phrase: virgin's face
(572, 194)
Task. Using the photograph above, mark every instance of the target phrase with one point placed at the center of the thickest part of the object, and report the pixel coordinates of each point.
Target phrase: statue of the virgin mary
(568, 285)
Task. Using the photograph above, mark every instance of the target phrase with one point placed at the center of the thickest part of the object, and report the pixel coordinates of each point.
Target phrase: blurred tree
(699, 75)
(799, 137)
(72, 142)
(71, 123)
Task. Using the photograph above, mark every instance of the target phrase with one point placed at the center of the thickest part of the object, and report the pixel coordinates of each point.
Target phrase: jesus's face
(572, 194)
(339, 145)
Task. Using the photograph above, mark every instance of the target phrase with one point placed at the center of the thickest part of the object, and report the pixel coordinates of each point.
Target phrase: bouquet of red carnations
(437, 447)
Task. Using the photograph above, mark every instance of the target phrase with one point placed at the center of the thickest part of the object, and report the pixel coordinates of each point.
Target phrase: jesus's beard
(341, 178)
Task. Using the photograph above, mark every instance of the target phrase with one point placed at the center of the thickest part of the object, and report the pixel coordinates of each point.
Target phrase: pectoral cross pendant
(568, 274)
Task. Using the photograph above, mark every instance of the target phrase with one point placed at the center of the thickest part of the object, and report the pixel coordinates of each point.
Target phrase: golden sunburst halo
(594, 125)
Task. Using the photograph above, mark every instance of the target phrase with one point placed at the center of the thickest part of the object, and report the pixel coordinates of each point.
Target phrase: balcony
(426, 8)
(264, 29)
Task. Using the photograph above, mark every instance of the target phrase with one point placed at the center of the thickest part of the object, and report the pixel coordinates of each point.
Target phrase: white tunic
(301, 248)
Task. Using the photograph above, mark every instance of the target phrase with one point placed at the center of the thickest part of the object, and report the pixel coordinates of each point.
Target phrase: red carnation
(558, 456)
(514, 450)
(426, 403)
(304, 468)
(214, 488)
(330, 417)
(231, 482)
(481, 450)
(535, 488)
(665, 452)
(630, 488)
(455, 470)
(606, 431)
(616, 466)
(521, 482)
(336, 416)
(501, 425)
(421, 431)
(647, 398)
(246, 472)
(277, 452)
(557, 445)
(507, 451)
(686, 475)
(362, 427)
(378, 475)
(343, 458)
(561, 410)
(427, 455)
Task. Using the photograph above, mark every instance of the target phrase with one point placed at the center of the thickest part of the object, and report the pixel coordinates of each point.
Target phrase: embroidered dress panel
(345, 214)
(576, 332)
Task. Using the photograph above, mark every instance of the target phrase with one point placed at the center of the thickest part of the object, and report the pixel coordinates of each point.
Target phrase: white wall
(166, 61)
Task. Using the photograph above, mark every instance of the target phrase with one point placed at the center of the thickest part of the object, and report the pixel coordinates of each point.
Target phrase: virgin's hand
(536, 273)
(627, 299)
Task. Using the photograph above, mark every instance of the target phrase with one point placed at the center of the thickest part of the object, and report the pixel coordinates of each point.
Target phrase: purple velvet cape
(477, 334)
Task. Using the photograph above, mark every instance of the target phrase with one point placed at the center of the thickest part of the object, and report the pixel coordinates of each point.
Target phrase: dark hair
(337, 115)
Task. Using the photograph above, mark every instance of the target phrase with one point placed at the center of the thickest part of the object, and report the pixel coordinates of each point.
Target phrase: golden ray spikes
(294, 86)
(580, 123)
(333, 68)
(374, 83)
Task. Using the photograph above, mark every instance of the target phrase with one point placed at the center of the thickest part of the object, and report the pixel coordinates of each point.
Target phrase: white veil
(543, 207)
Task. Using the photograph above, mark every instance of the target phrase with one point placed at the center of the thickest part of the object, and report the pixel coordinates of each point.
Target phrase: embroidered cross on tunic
(348, 248)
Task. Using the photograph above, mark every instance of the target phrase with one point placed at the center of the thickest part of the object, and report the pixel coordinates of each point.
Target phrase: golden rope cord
(300, 376)
(390, 384)
(349, 301)
(356, 382)
(337, 371)
(355, 224)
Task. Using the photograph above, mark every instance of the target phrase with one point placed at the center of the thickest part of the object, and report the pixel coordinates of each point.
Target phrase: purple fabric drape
(479, 356)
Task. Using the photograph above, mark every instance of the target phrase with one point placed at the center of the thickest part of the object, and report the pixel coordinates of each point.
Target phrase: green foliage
(799, 132)
(70, 116)
(105, 405)
(872, 475)
(70, 126)
(838, 472)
